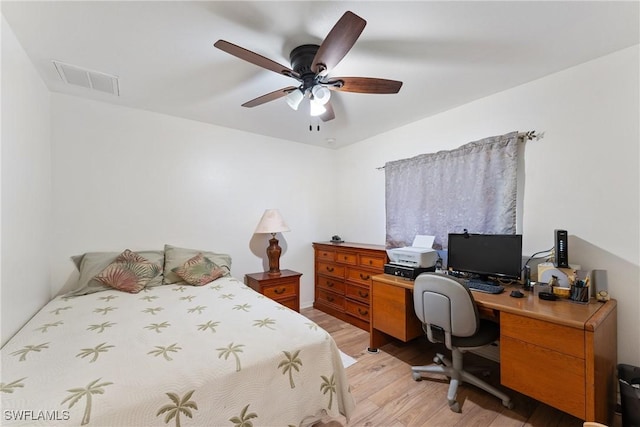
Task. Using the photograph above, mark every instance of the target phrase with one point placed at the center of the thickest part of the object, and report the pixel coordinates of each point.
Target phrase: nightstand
(284, 288)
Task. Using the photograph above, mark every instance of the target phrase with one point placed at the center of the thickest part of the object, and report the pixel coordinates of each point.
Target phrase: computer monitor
(495, 255)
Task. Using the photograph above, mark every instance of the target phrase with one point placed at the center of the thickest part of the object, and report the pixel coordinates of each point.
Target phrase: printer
(410, 261)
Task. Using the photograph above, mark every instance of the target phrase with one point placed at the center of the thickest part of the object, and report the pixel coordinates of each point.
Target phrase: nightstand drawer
(280, 291)
(331, 270)
(283, 288)
(330, 284)
(292, 303)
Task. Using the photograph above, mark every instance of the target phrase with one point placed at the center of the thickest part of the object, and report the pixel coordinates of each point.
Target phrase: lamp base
(273, 253)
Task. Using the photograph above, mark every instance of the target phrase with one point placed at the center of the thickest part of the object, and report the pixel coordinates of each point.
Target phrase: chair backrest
(446, 303)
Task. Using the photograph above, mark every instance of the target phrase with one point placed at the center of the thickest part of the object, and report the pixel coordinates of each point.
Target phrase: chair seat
(488, 332)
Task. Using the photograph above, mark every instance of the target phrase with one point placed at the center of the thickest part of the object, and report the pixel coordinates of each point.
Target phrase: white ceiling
(446, 53)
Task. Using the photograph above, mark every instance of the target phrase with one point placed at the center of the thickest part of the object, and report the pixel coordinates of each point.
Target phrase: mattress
(216, 355)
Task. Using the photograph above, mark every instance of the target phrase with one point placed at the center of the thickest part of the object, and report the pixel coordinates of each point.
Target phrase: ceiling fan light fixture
(321, 94)
(316, 108)
(294, 98)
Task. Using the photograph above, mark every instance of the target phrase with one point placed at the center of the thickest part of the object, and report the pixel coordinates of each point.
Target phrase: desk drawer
(358, 292)
(560, 338)
(359, 276)
(330, 298)
(358, 310)
(551, 377)
(330, 284)
(331, 270)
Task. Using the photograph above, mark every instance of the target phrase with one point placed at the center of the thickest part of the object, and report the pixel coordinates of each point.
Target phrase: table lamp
(272, 223)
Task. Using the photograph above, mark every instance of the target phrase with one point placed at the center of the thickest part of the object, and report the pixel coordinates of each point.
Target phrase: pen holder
(579, 294)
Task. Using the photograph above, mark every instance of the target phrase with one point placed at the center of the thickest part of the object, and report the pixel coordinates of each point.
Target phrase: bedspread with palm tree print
(216, 355)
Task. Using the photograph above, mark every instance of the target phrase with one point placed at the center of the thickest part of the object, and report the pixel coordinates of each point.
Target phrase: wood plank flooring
(386, 394)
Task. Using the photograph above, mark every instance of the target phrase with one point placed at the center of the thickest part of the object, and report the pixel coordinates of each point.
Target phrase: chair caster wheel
(416, 376)
(454, 406)
(508, 404)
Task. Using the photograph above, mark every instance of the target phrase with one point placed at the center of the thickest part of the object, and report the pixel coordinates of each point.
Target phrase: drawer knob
(364, 276)
(370, 261)
(279, 291)
(330, 269)
(363, 294)
(330, 284)
(362, 311)
(330, 298)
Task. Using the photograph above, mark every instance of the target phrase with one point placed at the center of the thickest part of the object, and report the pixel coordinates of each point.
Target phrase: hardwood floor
(386, 394)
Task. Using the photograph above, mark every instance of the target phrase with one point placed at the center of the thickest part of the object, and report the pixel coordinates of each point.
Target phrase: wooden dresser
(343, 274)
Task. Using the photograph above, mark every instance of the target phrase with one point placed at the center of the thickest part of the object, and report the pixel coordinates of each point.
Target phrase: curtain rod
(529, 135)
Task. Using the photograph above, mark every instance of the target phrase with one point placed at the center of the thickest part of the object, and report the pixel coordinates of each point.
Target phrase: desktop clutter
(559, 279)
(488, 261)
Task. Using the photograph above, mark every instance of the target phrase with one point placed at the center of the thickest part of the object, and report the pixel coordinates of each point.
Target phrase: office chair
(449, 315)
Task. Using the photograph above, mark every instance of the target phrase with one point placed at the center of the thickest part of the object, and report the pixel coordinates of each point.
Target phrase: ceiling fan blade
(364, 85)
(329, 114)
(338, 42)
(255, 58)
(276, 94)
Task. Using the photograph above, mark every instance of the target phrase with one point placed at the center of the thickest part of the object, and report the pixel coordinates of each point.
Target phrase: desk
(558, 352)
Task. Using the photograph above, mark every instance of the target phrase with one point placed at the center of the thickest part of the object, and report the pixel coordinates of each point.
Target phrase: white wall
(26, 188)
(125, 178)
(582, 177)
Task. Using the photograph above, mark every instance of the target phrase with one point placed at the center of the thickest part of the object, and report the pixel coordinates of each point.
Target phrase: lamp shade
(294, 98)
(316, 108)
(321, 94)
(271, 222)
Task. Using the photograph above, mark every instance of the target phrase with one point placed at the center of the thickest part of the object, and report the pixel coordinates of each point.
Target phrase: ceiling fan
(310, 66)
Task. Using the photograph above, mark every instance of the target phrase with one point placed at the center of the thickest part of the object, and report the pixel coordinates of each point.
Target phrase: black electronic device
(516, 294)
(547, 296)
(409, 273)
(561, 249)
(486, 255)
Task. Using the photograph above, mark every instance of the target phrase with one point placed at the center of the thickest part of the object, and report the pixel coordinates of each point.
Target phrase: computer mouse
(516, 294)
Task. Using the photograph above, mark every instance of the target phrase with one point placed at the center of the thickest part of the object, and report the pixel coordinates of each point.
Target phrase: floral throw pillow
(199, 270)
(130, 272)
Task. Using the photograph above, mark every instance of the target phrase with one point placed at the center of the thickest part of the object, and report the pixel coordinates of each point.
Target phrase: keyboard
(482, 286)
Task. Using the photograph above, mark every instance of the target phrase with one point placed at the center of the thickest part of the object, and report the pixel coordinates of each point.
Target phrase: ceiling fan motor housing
(301, 60)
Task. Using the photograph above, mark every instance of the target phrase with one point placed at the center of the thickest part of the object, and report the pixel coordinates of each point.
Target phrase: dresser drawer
(280, 291)
(326, 255)
(358, 310)
(359, 276)
(330, 284)
(330, 298)
(347, 258)
(331, 270)
(560, 338)
(358, 292)
(371, 261)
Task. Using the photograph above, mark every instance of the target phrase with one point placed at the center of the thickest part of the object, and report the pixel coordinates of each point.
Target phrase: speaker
(562, 249)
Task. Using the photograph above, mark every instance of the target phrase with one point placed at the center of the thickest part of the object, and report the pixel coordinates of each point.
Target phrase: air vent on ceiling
(95, 80)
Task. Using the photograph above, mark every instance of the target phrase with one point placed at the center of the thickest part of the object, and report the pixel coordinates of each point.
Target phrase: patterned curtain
(472, 187)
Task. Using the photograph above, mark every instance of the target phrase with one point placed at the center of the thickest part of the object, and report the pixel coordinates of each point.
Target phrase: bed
(215, 354)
